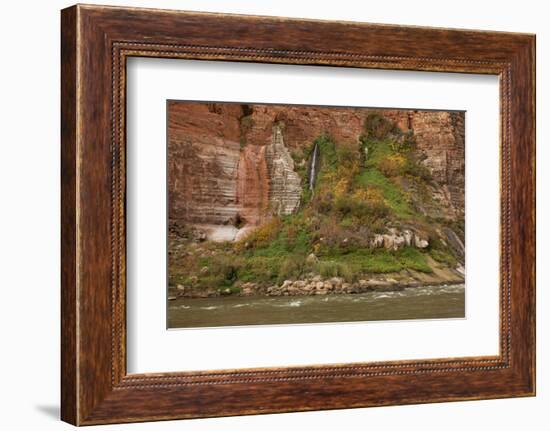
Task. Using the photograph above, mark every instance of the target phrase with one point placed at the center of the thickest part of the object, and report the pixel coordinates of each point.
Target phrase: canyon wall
(230, 168)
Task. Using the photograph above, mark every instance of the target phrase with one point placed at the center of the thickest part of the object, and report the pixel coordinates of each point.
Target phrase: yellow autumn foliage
(392, 165)
(261, 235)
(341, 188)
(371, 195)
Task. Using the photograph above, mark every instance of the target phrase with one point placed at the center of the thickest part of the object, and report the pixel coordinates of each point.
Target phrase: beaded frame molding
(95, 43)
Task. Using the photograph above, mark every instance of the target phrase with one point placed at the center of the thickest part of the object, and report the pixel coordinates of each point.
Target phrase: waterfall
(312, 170)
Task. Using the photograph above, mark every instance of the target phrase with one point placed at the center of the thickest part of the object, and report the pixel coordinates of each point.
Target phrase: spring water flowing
(313, 167)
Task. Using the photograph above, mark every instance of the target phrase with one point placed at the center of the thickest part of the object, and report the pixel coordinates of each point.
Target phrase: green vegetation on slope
(356, 195)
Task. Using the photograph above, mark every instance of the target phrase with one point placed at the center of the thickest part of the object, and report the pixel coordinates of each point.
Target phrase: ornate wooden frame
(95, 43)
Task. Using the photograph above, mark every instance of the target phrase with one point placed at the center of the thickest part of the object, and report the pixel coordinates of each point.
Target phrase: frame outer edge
(532, 101)
(87, 397)
(69, 196)
(530, 63)
(533, 54)
(523, 208)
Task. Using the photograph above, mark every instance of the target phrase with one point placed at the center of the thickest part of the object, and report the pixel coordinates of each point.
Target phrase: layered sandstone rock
(285, 186)
(230, 168)
(217, 183)
(440, 136)
(204, 153)
(302, 124)
(253, 185)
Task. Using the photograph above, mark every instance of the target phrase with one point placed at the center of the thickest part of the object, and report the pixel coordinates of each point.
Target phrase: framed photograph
(283, 214)
(263, 214)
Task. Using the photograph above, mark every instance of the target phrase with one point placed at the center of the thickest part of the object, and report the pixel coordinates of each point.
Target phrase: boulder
(198, 235)
(408, 237)
(377, 241)
(247, 291)
(336, 281)
(311, 259)
(420, 242)
(286, 284)
(395, 240)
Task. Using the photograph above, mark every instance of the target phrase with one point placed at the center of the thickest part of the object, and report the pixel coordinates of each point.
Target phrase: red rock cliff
(229, 165)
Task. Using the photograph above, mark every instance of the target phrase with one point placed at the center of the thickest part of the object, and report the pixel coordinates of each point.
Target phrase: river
(427, 302)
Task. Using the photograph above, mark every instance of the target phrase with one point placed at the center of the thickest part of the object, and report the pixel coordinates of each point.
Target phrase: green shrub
(393, 165)
(377, 126)
(412, 258)
(415, 168)
(329, 269)
(297, 238)
(394, 196)
(261, 236)
(443, 257)
(440, 252)
(323, 202)
(347, 156)
(292, 268)
(209, 281)
(262, 269)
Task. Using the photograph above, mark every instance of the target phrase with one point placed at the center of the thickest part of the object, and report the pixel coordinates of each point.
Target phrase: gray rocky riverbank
(316, 285)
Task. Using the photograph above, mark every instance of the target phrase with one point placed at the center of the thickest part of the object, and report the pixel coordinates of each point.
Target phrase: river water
(427, 302)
